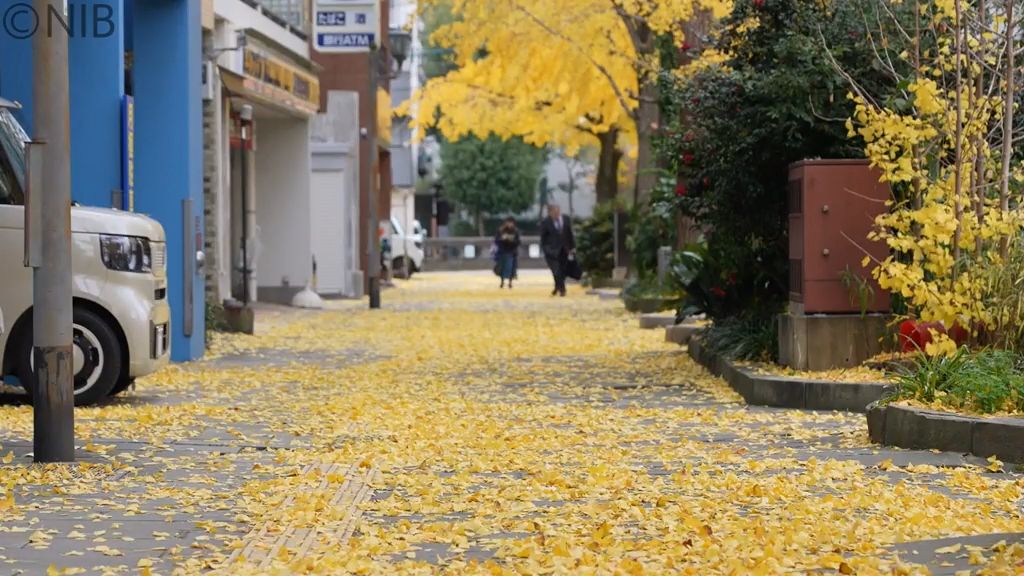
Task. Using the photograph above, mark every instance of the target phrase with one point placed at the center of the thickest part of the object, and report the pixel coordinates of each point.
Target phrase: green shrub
(215, 321)
(595, 242)
(986, 382)
(744, 337)
(653, 225)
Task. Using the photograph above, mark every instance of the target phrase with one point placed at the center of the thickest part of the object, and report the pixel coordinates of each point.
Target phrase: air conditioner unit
(208, 81)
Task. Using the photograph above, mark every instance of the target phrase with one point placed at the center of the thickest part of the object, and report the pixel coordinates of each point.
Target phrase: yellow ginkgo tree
(569, 73)
(945, 145)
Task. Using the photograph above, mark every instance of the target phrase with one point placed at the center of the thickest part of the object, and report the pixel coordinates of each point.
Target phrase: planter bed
(647, 304)
(916, 428)
(607, 283)
(789, 392)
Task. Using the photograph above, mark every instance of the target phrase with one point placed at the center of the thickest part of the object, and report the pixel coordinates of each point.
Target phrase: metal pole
(373, 248)
(53, 436)
(245, 118)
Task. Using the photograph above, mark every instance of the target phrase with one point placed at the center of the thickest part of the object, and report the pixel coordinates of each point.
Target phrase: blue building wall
(166, 36)
(167, 81)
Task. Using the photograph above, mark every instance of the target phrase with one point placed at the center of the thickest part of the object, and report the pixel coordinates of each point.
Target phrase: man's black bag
(573, 270)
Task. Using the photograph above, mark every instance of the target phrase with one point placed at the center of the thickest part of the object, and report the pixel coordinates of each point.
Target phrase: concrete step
(681, 333)
(604, 293)
(657, 320)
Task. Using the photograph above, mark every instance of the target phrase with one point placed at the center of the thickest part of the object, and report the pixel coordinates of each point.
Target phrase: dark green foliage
(986, 382)
(491, 176)
(437, 61)
(215, 321)
(732, 133)
(653, 226)
(744, 337)
(595, 242)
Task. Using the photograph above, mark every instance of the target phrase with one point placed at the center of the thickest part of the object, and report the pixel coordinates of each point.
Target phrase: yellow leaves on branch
(551, 71)
(939, 147)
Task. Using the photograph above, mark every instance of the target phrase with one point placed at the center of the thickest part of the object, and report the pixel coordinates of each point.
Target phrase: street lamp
(399, 44)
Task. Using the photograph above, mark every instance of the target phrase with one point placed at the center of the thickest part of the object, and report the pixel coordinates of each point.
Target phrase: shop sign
(240, 137)
(128, 153)
(274, 73)
(345, 26)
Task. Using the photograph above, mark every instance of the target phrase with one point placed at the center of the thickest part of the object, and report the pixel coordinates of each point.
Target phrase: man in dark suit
(558, 243)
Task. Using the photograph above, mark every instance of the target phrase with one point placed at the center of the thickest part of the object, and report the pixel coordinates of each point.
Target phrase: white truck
(121, 317)
(406, 235)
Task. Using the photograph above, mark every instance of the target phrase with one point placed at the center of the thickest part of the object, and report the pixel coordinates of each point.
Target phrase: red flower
(959, 334)
(680, 190)
(717, 291)
(758, 3)
(687, 158)
(916, 335)
(686, 46)
(923, 333)
(907, 329)
(707, 181)
(695, 101)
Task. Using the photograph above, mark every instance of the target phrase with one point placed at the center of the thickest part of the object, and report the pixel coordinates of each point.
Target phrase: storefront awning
(305, 103)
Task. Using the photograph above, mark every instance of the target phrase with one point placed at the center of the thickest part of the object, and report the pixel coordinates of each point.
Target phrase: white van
(118, 260)
(406, 248)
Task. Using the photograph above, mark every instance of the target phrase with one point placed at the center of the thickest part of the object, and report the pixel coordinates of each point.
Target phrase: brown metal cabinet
(832, 208)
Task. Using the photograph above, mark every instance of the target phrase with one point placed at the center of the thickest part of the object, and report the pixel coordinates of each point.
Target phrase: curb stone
(657, 320)
(919, 428)
(788, 392)
(604, 293)
(681, 333)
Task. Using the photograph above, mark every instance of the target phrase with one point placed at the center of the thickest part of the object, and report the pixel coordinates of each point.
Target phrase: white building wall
(335, 137)
(282, 196)
(241, 16)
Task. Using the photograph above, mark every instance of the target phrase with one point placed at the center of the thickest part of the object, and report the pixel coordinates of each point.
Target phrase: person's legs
(563, 261)
(556, 269)
(506, 269)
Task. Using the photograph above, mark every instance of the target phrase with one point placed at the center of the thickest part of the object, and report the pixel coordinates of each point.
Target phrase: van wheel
(96, 358)
(399, 271)
(123, 384)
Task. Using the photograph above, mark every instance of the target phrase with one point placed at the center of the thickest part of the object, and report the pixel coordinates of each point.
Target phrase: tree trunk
(480, 223)
(648, 117)
(648, 112)
(610, 156)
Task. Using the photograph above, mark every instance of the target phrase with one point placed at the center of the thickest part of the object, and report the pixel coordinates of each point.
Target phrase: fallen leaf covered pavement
(467, 430)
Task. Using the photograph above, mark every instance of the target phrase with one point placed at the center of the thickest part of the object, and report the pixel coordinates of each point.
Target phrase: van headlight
(126, 253)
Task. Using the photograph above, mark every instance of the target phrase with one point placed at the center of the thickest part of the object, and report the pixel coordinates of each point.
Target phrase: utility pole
(373, 246)
(248, 210)
(48, 247)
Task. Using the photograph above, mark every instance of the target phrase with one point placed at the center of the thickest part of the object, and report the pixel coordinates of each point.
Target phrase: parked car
(406, 249)
(119, 282)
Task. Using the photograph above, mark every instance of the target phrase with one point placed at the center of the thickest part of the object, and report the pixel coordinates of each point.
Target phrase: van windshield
(12, 159)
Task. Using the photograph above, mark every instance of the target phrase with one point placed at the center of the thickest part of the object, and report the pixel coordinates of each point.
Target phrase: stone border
(682, 333)
(604, 293)
(921, 429)
(657, 320)
(787, 392)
